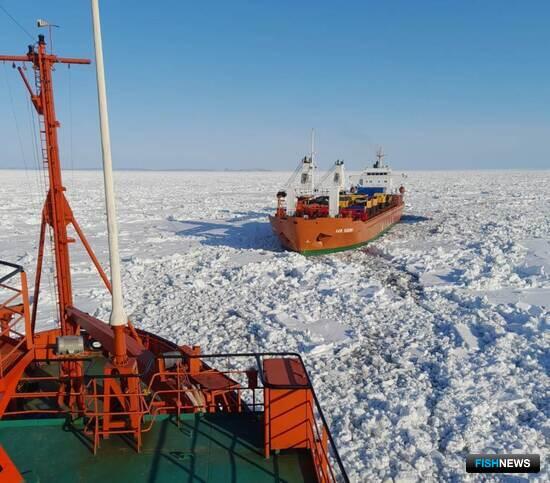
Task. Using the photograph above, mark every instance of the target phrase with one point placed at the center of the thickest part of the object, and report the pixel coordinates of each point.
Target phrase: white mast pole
(118, 315)
(312, 160)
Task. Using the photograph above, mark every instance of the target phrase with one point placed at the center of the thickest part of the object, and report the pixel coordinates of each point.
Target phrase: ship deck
(204, 448)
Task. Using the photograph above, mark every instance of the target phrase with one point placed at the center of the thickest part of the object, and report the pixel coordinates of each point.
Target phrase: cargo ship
(90, 400)
(335, 215)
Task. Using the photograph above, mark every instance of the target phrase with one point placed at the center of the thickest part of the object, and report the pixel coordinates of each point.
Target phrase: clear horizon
(264, 170)
(240, 85)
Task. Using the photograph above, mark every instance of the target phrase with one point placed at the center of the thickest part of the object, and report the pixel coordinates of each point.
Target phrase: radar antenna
(380, 155)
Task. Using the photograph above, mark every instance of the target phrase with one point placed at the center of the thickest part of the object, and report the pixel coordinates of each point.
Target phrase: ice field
(429, 343)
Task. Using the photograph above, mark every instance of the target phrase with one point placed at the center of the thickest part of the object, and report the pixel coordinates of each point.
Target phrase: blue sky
(440, 84)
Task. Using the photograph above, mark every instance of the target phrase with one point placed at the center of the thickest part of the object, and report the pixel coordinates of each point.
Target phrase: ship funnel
(118, 315)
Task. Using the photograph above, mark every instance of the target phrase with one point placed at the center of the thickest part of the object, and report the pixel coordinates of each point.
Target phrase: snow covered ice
(430, 343)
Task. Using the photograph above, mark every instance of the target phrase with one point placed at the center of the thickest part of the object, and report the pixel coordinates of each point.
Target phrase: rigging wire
(16, 22)
(16, 122)
(293, 176)
(48, 267)
(53, 276)
(33, 194)
(32, 135)
(34, 129)
(326, 176)
(71, 158)
(39, 185)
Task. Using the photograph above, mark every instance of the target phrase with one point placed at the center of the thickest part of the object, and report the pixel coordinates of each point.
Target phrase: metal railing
(15, 324)
(156, 398)
(331, 454)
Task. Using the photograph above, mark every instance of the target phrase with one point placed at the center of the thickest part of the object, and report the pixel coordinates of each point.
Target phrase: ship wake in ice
(429, 343)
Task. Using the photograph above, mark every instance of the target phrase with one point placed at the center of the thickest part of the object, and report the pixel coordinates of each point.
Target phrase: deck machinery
(336, 217)
(89, 401)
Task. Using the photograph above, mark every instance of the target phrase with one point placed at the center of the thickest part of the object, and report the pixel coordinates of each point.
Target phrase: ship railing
(246, 384)
(327, 461)
(56, 387)
(304, 192)
(244, 394)
(248, 395)
(94, 398)
(93, 395)
(152, 403)
(15, 323)
(184, 397)
(96, 415)
(366, 213)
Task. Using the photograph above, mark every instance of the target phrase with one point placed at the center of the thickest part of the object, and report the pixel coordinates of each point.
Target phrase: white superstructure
(375, 179)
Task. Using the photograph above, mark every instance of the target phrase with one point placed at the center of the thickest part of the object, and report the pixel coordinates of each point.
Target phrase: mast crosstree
(56, 212)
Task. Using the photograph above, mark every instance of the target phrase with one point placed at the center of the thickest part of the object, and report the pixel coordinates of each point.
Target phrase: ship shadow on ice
(240, 232)
(410, 219)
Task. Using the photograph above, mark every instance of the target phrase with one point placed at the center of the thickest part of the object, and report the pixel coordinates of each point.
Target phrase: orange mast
(57, 212)
(117, 402)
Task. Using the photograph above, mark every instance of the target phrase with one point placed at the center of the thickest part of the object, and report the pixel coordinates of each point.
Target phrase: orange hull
(324, 235)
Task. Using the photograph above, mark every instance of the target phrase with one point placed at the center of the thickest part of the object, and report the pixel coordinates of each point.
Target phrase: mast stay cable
(19, 138)
(71, 144)
(49, 263)
(39, 184)
(16, 22)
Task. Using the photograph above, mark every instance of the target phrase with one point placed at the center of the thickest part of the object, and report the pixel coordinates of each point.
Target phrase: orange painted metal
(136, 382)
(286, 410)
(101, 272)
(16, 353)
(92, 255)
(16, 347)
(102, 332)
(14, 313)
(38, 273)
(8, 471)
(120, 355)
(56, 210)
(122, 386)
(289, 414)
(310, 235)
(218, 389)
(287, 417)
(58, 213)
